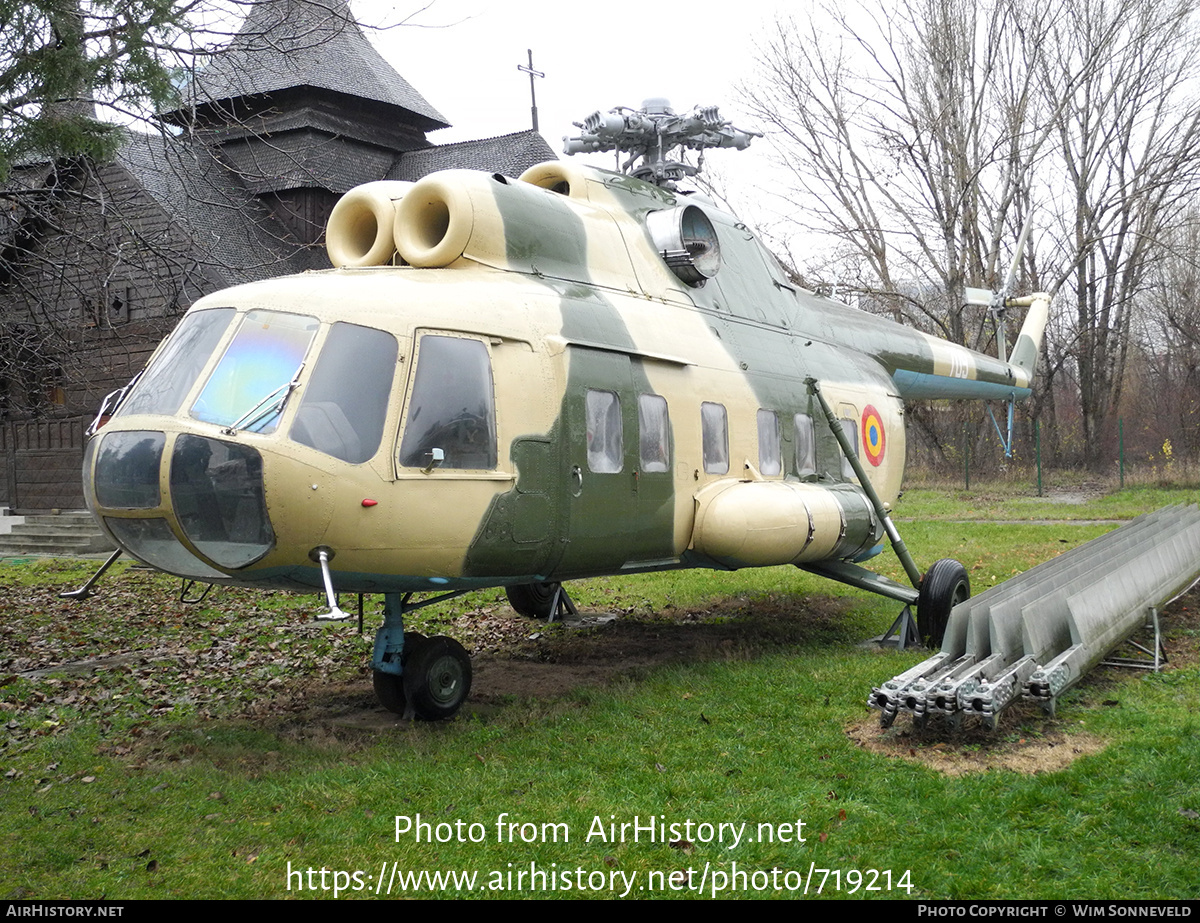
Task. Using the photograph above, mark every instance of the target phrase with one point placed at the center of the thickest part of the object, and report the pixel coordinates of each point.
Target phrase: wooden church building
(99, 260)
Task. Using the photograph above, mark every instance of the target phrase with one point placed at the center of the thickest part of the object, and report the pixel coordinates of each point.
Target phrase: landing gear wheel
(437, 678)
(946, 584)
(533, 600)
(389, 688)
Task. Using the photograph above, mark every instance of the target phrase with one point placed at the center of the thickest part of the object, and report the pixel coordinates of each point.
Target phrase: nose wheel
(437, 678)
(415, 676)
(435, 682)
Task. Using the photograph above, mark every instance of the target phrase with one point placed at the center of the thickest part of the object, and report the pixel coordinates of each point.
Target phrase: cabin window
(655, 432)
(851, 428)
(605, 445)
(715, 435)
(452, 407)
(249, 386)
(806, 446)
(770, 455)
(171, 373)
(346, 399)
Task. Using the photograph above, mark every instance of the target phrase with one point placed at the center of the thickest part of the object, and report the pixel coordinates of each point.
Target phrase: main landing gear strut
(430, 678)
(935, 592)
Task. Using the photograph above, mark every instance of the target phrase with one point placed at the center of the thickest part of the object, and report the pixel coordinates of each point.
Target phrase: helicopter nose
(213, 506)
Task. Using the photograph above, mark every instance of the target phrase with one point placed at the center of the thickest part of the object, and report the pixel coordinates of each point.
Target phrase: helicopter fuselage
(544, 399)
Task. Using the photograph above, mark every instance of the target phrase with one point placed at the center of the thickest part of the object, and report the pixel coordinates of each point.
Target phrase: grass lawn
(713, 740)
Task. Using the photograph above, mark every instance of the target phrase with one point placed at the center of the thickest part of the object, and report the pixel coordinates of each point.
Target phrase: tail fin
(1029, 342)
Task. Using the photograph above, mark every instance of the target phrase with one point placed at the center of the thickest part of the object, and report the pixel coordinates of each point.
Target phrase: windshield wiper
(270, 406)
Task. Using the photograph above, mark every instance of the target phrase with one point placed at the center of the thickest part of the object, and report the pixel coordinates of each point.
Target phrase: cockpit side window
(452, 407)
(346, 399)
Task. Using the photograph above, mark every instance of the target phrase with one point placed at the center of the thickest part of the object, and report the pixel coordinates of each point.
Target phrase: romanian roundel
(873, 438)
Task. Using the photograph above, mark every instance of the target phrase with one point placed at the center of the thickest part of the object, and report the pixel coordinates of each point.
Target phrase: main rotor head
(649, 135)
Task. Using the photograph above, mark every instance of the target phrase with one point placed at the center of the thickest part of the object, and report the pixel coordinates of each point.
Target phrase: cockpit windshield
(178, 364)
(345, 388)
(249, 386)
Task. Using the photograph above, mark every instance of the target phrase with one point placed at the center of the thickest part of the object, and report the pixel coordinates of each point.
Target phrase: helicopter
(518, 382)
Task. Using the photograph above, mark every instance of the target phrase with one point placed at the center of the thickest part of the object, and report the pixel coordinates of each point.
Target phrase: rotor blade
(1016, 262)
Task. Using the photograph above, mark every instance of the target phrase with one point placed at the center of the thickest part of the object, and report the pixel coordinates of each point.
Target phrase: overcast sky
(594, 56)
(463, 59)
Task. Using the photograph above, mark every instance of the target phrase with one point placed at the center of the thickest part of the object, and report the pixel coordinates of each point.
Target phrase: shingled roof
(235, 237)
(307, 158)
(290, 44)
(511, 155)
(299, 109)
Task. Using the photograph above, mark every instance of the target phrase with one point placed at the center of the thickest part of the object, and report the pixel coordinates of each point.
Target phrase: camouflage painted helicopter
(519, 382)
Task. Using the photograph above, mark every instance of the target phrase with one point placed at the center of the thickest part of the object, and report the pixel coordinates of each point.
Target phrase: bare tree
(1169, 342)
(906, 133)
(921, 135)
(911, 134)
(1127, 153)
(95, 267)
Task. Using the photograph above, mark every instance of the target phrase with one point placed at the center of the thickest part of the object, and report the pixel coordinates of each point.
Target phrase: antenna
(648, 135)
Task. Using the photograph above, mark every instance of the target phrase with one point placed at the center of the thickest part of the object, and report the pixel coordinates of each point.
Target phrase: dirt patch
(973, 749)
(596, 648)
(1072, 497)
(515, 658)
(1076, 494)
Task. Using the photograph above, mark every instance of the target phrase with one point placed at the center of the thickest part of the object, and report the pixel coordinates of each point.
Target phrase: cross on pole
(532, 95)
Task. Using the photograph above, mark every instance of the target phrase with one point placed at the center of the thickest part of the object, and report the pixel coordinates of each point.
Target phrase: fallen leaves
(136, 652)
